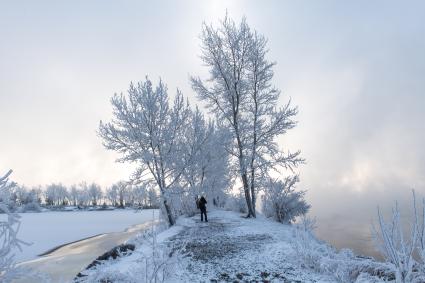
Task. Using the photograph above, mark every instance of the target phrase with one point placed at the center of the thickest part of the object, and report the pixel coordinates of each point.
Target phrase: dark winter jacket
(202, 202)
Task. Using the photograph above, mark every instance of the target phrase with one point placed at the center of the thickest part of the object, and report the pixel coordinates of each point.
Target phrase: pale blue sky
(356, 70)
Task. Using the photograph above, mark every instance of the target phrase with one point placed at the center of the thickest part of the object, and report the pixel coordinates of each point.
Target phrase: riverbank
(230, 248)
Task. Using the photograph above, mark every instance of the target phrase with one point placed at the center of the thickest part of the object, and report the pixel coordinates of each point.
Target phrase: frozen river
(47, 230)
(80, 236)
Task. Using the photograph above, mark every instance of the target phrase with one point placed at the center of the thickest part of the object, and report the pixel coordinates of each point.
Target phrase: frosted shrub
(306, 246)
(30, 207)
(183, 202)
(236, 203)
(343, 265)
(396, 248)
(322, 258)
(400, 250)
(421, 245)
(313, 253)
(9, 227)
(188, 204)
(282, 202)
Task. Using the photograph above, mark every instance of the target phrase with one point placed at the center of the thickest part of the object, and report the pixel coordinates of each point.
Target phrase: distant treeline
(82, 195)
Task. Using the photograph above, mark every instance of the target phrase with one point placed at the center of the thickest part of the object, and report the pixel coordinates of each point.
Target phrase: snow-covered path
(230, 248)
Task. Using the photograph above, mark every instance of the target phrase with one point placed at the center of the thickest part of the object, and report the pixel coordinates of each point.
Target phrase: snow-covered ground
(48, 230)
(231, 248)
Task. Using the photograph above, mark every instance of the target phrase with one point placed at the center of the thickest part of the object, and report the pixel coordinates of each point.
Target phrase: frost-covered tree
(215, 167)
(282, 202)
(73, 195)
(19, 195)
(129, 196)
(95, 193)
(240, 93)
(207, 172)
(56, 195)
(83, 196)
(152, 198)
(118, 194)
(9, 227)
(112, 195)
(23, 196)
(147, 131)
(36, 195)
(140, 195)
(27, 199)
(121, 188)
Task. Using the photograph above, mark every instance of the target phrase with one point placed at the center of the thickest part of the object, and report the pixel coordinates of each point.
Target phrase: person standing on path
(202, 206)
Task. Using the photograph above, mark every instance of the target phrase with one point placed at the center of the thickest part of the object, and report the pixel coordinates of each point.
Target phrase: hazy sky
(356, 70)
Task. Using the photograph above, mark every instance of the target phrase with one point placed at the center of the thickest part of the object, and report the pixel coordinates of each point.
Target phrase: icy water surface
(356, 232)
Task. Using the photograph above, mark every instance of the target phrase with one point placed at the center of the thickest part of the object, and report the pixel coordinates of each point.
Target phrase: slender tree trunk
(254, 151)
(166, 204)
(245, 183)
(251, 212)
(253, 199)
(121, 202)
(253, 194)
(169, 214)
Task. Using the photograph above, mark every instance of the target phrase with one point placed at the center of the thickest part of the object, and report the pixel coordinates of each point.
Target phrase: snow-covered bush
(183, 201)
(282, 202)
(30, 207)
(236, 203)
(306, 245)
(159, 260)
(188, 204)
(343, 265)
(421, 242)
(9, 227)
(396, 249)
